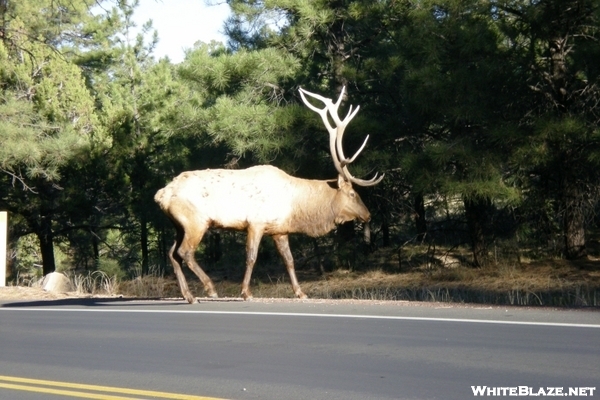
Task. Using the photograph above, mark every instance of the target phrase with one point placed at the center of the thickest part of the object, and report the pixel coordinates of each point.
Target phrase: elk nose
(366, 217)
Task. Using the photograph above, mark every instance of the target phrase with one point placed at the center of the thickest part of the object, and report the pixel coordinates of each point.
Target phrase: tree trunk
(385, 231)
(144, 245)
(573, 221)
(420, 221)
(95, 250)
(344, 234)
(3, 19)
(317, 252)
(215, 250)
(11, 245)
(163, 249)
(46, 238)
(476, 213)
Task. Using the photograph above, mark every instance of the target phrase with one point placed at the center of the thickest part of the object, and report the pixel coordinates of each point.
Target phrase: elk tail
(161, 199)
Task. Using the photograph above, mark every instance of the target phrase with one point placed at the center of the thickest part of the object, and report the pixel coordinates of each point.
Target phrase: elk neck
(315, 208)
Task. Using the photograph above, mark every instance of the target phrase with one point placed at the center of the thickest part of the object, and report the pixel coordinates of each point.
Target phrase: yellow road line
(81, 386)
(71, 393)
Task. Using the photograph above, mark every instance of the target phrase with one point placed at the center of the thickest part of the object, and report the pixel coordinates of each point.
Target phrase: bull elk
(263, 200)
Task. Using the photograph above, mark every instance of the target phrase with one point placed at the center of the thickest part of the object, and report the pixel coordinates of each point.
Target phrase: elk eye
(352, 194)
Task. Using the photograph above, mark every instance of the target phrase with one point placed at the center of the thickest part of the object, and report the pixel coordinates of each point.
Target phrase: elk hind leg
(191, 240)
(283, 246)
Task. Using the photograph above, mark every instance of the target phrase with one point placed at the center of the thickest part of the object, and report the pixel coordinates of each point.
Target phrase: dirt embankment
(32, 293)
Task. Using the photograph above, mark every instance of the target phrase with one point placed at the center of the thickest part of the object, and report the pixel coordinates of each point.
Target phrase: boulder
(56, 282)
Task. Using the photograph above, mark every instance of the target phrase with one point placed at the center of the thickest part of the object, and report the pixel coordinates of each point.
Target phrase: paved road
(296, 350)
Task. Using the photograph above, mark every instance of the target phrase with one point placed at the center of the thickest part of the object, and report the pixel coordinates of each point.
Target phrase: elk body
(261, 200)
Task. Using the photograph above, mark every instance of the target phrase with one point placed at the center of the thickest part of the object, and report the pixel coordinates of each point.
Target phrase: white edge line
(314, 315)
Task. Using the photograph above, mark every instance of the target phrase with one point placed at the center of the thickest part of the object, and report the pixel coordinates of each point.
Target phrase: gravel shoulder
(24, 293)
(34, 293)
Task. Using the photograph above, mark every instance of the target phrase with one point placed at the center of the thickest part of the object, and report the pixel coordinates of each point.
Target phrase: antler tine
(360, 182)
(336, 134)
(332, 131)
(340, 98)
(321, 111)
(316, 96)
(340, 150)
(344, 162)
(364, 182)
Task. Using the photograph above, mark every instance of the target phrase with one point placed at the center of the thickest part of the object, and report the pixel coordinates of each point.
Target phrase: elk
(263, 200)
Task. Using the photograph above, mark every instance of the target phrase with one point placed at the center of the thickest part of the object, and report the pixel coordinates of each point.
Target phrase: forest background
(483, 114)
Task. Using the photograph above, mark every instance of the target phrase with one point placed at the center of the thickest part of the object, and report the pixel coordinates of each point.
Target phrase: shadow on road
(94, 302)
(113, 301)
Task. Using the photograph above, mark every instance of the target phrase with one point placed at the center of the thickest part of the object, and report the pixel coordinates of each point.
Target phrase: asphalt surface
(294, 350)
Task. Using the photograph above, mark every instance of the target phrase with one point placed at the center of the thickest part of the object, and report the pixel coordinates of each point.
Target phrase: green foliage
(483, 116)
(47, 113)
(27, 258)
(111, 268)
(237, 99)
(554, 153)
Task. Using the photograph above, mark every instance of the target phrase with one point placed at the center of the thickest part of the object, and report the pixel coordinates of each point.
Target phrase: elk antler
(337, 133)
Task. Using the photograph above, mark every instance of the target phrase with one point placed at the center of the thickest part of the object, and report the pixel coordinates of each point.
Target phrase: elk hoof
(302, 296)
(247, 296)
(190, 299)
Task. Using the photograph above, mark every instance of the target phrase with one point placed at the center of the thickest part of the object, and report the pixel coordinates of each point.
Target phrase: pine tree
(239, 99)
(48, 114)
(450, 64)
(138, 99)
(557, 135)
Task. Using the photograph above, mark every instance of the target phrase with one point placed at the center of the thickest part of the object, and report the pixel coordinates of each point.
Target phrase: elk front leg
(283, 246)
(209, 286)
(176, 261)
(191, 239)
(252, 243)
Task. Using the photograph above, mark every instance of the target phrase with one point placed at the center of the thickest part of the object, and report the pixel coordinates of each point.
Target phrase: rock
(56, 282)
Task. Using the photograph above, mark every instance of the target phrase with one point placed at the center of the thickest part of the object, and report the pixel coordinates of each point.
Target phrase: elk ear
(342, 182)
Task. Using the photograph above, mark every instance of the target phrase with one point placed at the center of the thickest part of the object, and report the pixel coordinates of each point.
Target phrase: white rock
(57, 283)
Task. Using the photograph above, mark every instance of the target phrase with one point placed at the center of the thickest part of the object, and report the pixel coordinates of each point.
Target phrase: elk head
(336, 134)
(349, 204)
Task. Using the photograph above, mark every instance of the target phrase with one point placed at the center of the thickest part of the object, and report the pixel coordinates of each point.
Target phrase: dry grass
(547, 283)
(555, 283)
(414, 275)
(94, 284)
